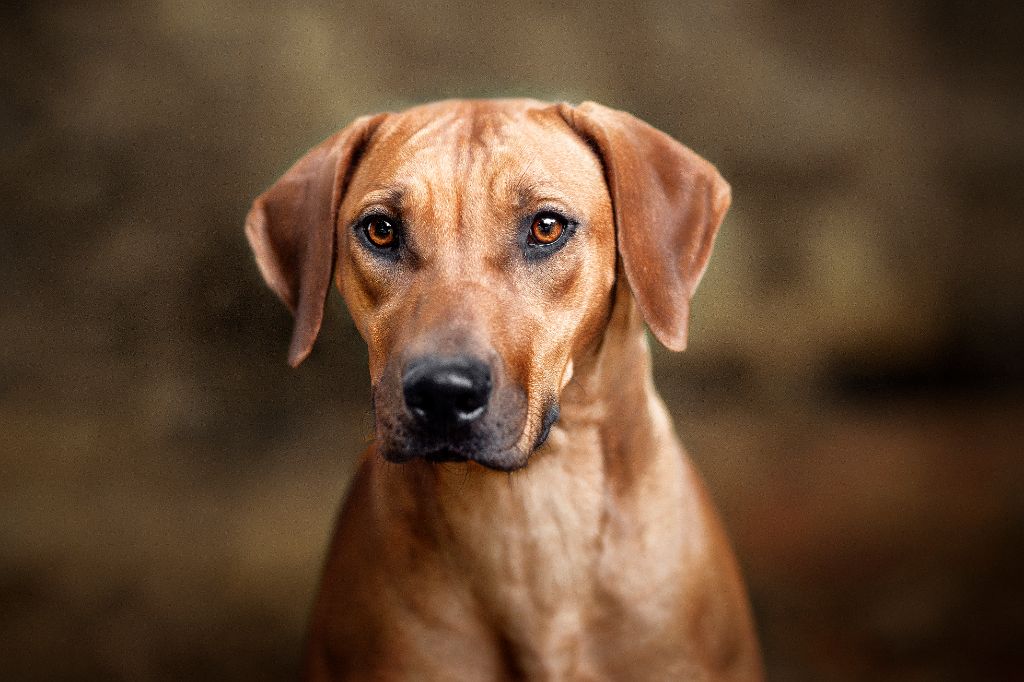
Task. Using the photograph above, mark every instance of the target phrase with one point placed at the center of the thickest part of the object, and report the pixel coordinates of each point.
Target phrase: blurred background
(852, 393)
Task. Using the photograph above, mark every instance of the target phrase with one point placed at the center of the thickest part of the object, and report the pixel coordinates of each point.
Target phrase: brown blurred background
(853, 391)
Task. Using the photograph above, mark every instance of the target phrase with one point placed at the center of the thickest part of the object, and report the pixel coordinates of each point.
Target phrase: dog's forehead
(498, 147)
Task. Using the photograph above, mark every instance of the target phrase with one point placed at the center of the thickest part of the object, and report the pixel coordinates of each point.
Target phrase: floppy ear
(668, 204)
(291, 229)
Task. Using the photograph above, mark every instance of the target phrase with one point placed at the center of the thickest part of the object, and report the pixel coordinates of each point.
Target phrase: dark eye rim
(535, 250)
(361, 228)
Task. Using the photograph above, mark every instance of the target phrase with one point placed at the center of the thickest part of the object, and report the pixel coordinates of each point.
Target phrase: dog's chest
(548, 556)
(532, 555)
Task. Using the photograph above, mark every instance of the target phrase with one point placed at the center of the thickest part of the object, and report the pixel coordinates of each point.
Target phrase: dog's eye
(547, 229)
(380, 231)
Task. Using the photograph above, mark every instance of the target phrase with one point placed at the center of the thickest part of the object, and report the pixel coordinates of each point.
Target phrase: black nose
(446, 393)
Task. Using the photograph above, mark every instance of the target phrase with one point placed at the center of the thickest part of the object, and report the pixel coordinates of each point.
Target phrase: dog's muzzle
(450, 408)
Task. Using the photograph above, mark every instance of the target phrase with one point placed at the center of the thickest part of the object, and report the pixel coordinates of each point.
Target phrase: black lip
(550, 417)
(449, 456)
(445, 455)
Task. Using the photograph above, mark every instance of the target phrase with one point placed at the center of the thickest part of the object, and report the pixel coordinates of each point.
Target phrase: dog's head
(476, 243)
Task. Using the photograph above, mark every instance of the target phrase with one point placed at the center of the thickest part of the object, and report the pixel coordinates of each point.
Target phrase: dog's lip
(445, 455)
(449, 455)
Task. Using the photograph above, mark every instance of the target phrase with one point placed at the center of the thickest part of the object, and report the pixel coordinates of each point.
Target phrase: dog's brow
(530, 192)
(390, 197)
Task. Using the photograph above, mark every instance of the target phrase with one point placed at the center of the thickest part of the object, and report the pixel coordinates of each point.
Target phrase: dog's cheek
(357, 290)
(593, 320)
(572, 322)
(389, 427)
(388, 351)
(359, 283)
(594, 297)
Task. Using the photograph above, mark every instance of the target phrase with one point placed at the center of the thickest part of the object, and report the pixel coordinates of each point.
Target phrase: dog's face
(475, 244)
(476, 252)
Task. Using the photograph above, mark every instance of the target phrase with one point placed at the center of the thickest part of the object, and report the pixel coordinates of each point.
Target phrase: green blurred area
(852, 392)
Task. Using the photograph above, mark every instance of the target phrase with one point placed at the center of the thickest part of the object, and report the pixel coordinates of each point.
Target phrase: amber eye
(547, 228)
(380, 231)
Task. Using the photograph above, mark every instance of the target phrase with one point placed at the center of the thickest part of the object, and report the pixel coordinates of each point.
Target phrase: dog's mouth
(446, 455)
(495, 461)
(400, 444)
(499, 458)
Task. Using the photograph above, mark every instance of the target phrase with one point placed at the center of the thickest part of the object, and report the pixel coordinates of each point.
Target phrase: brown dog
(500, 259)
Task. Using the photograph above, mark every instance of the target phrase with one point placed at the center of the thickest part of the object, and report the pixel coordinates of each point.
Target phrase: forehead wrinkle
(414, 175)
(521, 172)
(477, 139)
(531, 192)
(431, 127)
(526, 186)
(462, 172)
(487, 124)
(502, 179)
(391, 197)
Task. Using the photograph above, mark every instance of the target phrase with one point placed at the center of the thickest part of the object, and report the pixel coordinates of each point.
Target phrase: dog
(526, 510)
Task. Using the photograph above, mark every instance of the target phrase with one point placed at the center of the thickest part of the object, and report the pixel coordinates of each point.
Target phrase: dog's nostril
(468, 402)
(444, 393)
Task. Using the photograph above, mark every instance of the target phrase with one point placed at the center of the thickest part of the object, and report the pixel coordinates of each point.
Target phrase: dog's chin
(498, 460)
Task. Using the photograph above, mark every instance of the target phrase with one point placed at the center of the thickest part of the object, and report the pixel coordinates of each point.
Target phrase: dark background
(853, 390)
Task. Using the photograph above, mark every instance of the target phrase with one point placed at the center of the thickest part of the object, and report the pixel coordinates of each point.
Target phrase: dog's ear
(668, 203)
(291, 228)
